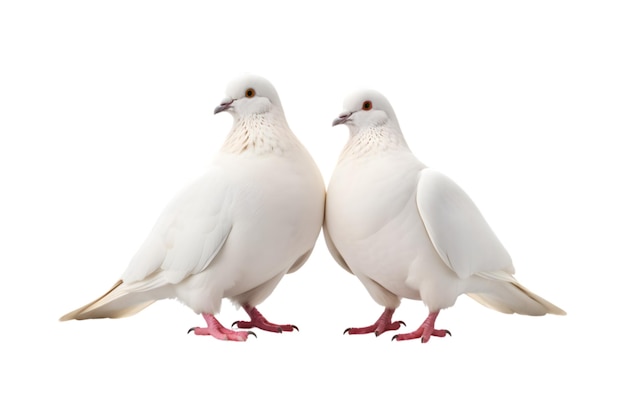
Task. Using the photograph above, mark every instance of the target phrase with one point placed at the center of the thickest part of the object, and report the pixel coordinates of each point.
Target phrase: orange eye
(367, 105)
(250, 92)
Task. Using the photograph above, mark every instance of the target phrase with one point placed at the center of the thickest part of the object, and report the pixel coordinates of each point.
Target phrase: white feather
(254, 216)
(456, 228)
(407, 231)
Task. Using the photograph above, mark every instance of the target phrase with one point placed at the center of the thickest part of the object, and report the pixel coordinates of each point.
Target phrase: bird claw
(257, 320)
(236, 323)
(419, 333)
(377, 328)
(215, 329)
(380, 326)
(400, 322)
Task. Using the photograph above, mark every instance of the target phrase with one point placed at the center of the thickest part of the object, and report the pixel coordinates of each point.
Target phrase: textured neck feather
(260, 134)
(374, 140)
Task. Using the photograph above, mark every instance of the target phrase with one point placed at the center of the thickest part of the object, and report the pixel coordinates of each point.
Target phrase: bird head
(249, 95)
(365, 109)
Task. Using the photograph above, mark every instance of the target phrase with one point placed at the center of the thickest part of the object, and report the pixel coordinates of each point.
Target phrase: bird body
(233, 233)
(408, 231)
(363, 222)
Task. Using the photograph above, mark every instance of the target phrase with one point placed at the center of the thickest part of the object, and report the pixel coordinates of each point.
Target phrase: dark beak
(224, 105)
(342, 119)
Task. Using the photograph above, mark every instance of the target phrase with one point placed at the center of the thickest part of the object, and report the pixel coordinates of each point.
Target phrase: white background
(106, 111)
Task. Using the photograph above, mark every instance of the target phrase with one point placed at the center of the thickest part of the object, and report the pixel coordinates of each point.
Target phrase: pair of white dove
(405, 230)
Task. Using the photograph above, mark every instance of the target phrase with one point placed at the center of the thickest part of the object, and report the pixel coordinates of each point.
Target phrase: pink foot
(215, 329)
(257, 320)
(426, 330)
(381, 325)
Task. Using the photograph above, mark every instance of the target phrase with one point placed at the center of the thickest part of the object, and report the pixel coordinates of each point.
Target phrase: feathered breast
(260, 134)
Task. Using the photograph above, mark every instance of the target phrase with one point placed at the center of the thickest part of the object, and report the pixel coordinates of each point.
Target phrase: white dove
(252, 218)
(408, 231)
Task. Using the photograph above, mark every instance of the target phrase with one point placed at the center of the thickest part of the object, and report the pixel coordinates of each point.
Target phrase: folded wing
(457, 229)
(184, 241)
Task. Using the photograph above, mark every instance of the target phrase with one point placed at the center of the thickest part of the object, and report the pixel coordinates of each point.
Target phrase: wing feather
(457, 229)
(186, 237)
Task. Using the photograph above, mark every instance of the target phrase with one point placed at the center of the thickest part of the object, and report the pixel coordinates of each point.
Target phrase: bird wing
(185, 239)
(457, 229)
(187, 236)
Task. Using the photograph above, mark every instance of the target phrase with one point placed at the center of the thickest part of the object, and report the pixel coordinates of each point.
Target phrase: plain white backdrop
(106, 110)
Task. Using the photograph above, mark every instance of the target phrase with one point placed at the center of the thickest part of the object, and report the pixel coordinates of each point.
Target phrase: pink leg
(257, 320)
(426, 330)
(381, 325)
(215, 329)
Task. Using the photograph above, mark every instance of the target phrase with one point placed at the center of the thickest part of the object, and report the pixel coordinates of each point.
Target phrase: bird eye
(367, 105)
(250, 92)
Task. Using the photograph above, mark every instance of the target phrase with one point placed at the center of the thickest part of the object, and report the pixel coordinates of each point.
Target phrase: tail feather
(509, 296)
(115, 303)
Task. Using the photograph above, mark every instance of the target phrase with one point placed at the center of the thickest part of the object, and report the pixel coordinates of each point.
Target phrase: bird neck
(374, 140)
(260, 134)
